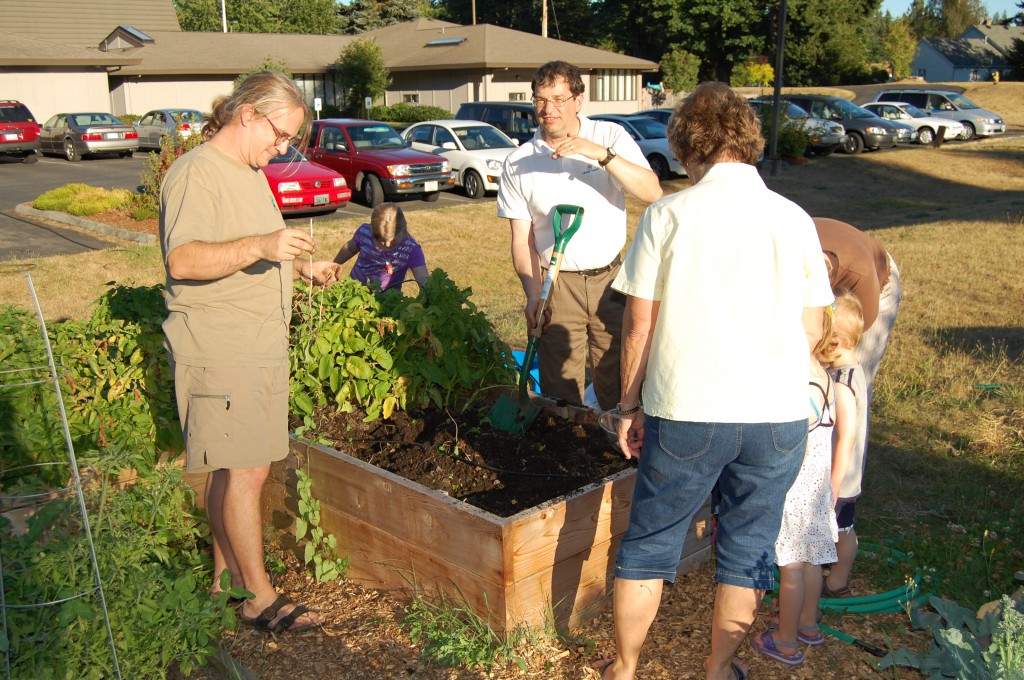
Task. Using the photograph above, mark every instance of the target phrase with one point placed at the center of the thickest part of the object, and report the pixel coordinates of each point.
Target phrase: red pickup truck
(376, 162)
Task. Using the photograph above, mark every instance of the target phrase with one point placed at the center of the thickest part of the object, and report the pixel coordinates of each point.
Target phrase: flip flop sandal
(765, 644)
(286, 623)
(602, 665)
(738, 672)
(810, 636)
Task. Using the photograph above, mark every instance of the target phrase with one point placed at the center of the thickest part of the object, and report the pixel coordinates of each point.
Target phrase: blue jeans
(755, 463)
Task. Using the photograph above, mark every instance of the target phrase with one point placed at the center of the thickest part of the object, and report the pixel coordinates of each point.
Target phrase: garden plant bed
(548, 556)
(460, 454)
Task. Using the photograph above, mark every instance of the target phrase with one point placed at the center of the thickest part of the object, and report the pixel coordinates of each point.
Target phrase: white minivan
(977, 121)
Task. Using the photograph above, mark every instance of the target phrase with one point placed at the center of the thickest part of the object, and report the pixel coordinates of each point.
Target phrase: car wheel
(659, 165)
(969, 131)
(472, 183)
(854, 143)
(69, 151)
(30, 158)
(925, 136)
(432, 196)
(373, 194)
(127, 154)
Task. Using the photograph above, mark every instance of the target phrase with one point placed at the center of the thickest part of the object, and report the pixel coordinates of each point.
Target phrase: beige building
(131, 57)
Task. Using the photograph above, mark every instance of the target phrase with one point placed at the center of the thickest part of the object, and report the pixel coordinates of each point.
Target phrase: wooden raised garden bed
(557, 557)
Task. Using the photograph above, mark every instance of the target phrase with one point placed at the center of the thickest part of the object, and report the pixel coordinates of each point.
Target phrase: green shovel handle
(562, 237)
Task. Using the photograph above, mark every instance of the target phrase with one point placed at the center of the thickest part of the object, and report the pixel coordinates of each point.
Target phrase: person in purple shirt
(386, 251)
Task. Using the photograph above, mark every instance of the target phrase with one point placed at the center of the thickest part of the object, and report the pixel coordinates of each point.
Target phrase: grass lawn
(947, 460)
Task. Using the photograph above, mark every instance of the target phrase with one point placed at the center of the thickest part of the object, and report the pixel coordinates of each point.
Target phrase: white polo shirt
(733, 265)
(533, 183)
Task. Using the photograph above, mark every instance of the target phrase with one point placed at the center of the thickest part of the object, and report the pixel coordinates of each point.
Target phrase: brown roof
(85, 24)
(181, 52)
(486, 46)
(22, 50)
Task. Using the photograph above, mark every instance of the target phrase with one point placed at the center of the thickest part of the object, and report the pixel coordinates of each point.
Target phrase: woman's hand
(631, 434)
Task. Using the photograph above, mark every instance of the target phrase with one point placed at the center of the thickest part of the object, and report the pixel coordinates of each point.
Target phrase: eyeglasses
(557, 102)
(282, 137)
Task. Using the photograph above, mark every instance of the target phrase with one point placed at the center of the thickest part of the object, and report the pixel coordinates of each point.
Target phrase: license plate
(430, 186)
(112, 135)
(11, 137)
(321, 199)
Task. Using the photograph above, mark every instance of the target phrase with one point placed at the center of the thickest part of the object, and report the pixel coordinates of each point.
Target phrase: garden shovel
(515, 415)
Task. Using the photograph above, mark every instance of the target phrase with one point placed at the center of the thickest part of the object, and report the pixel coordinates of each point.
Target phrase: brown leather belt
(600, 270)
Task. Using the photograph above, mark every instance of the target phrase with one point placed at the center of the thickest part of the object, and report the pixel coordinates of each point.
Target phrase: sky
(898, 8)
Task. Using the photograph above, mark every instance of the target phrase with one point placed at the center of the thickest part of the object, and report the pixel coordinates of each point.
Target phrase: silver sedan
(74, 135)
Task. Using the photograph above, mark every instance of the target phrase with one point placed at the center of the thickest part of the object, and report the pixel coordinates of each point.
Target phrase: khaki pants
(585, 332)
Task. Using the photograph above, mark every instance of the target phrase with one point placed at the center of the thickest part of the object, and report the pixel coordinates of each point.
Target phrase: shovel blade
(510, 414)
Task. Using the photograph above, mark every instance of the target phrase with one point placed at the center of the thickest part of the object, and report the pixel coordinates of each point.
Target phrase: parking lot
(21, 183)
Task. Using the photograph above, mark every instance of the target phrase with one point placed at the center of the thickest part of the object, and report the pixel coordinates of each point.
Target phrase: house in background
(975, 55)
(130, 57)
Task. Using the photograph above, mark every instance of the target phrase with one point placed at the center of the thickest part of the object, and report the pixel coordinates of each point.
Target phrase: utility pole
(773, 141)
(473, 5)
(223, 17)
(544, 18)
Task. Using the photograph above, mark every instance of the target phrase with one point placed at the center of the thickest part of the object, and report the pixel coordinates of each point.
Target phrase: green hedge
(409, 113)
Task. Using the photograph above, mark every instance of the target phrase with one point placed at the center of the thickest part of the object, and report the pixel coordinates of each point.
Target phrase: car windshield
(914, 112)
(292, 155)
(791, 109)
(648, 127)
(851, 110)
(482, 137)
(961, 102)
(87, 119)
(375, 137)
(187, 116)
(15, 114)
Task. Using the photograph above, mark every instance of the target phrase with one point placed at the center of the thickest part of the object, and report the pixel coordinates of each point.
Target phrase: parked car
(927, 126)
(660, 115)
(19, 131)
(906, 134)
(518, 120)
(864, 130)
(977, 121)
(376, 161)
(301, 186)
(475, 150)
(80, 134)
(155, 124)
(650, 136)
(824, 136)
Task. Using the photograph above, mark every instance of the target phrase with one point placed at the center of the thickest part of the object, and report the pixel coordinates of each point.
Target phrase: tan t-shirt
(241, 319)
(859, 263)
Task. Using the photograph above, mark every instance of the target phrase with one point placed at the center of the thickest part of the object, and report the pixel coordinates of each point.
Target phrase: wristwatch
(607, 159)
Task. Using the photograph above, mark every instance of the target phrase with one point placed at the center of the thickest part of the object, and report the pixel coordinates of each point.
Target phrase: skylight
(445, 41)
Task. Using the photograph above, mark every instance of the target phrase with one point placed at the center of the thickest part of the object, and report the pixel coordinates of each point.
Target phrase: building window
(517, 96)
(613, 85)
(411, 98)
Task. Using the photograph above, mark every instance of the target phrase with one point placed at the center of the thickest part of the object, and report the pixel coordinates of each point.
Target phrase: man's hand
(531, 317)
(285, 245)
(578, 146)
(323, 273)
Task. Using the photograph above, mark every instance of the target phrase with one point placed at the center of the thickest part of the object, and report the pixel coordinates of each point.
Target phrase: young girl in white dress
(807, 538)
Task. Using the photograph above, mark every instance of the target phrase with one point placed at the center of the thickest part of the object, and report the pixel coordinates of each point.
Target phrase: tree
(900, 47)
(368, 15)
(827, 42)
(316, 17)
(361, 72)
(268, 64)
(259, 16)
(198, 15)
(679, 70)
(944, 18)
(1015, 59)
(570, 20)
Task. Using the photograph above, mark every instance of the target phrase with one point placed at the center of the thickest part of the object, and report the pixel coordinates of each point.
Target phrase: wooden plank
(453, 530)
(569, 526)
(377, 559)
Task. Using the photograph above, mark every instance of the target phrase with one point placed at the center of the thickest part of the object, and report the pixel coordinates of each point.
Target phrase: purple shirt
(386, 266)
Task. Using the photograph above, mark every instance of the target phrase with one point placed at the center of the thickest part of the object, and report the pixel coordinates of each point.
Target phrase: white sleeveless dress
(809, 531)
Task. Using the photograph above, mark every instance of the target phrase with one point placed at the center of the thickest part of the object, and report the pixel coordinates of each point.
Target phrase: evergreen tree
(360, 16)
(679, 70)
(361, 72)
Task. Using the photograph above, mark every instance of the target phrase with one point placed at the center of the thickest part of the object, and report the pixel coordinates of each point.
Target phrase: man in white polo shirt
(577, 161)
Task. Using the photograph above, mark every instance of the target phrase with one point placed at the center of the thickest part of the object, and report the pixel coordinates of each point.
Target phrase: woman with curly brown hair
(720, 279)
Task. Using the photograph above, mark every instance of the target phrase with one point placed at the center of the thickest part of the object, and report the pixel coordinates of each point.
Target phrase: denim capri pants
(756, 463)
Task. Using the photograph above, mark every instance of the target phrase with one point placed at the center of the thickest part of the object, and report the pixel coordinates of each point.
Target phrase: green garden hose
(898, 599)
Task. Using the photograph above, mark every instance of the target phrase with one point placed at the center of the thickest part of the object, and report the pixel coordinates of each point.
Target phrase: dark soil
(464, 456)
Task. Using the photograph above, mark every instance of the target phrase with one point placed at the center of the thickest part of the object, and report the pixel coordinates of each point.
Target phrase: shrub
(409, 113)
(82, 199)
(146, 205)
(129, 118)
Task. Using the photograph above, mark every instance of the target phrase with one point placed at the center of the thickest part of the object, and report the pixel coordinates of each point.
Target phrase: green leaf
(300, 528)
(308, 553)
(304, 403)
(358, 368)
